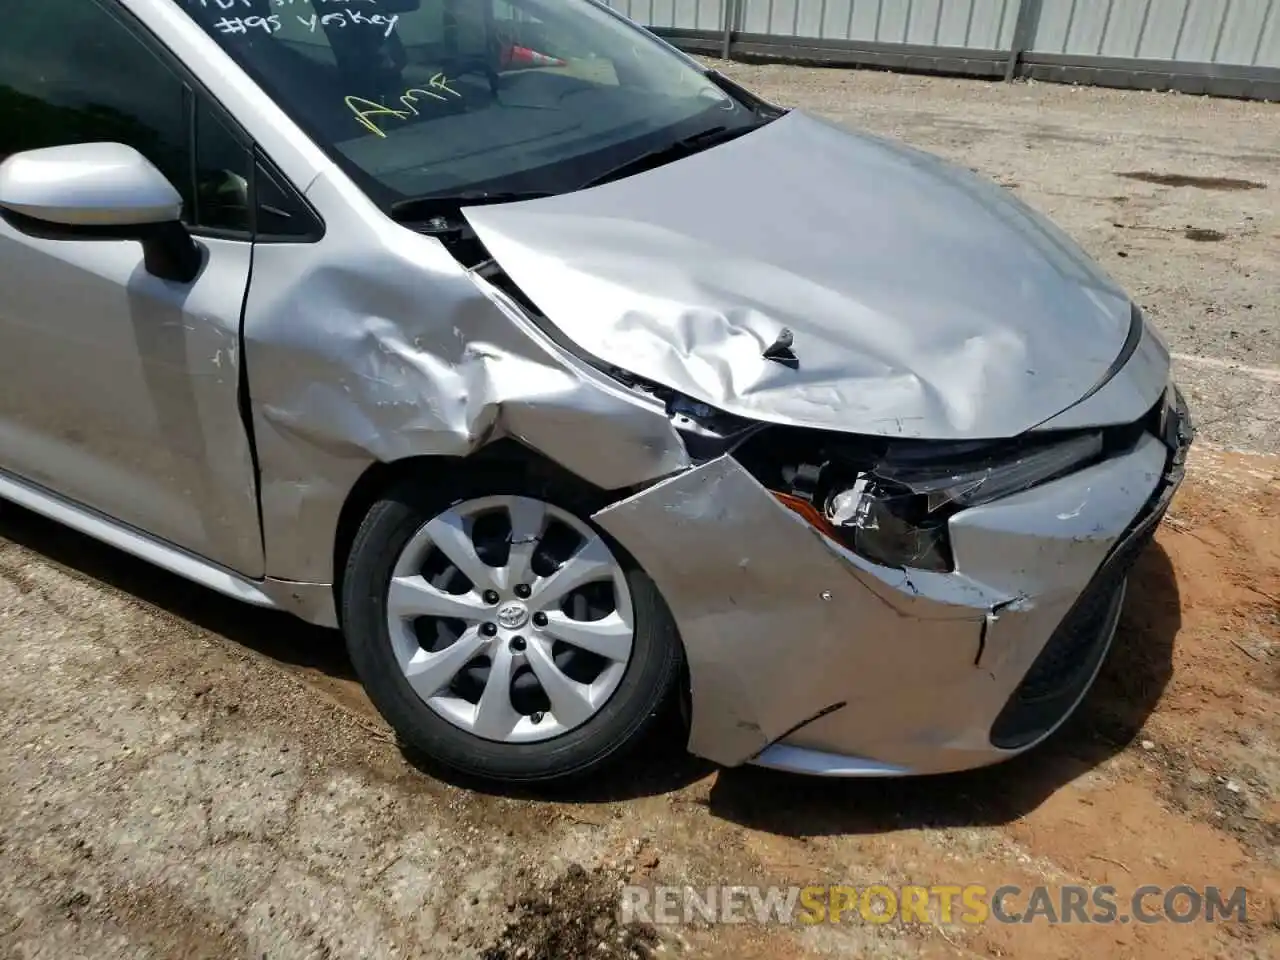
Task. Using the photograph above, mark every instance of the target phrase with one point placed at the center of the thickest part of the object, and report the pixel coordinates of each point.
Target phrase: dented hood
(923, 301)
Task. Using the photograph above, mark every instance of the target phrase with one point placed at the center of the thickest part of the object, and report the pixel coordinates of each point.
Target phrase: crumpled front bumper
(806, 657)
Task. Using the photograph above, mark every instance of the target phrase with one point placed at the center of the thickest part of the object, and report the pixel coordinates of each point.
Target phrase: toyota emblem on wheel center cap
(512, 615)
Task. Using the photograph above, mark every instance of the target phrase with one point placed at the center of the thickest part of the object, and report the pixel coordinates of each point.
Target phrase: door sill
(131, 540)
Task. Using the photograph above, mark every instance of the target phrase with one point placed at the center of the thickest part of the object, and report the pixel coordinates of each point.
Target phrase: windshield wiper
(678, 149)
(443, 204)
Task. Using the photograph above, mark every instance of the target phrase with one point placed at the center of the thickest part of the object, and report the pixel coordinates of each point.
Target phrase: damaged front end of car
(865, 605)
(861, 606)
(851, 600)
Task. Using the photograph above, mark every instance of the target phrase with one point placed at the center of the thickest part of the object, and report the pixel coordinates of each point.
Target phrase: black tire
(649, 680)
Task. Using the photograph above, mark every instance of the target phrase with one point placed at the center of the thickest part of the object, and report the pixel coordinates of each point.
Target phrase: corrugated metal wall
(678, 14)
(948, 23)
(1245, 32)
(1230, 47)
(984, 24)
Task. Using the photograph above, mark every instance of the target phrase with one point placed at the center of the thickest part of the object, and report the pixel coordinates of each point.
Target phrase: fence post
(730, 21)
(1024, 32)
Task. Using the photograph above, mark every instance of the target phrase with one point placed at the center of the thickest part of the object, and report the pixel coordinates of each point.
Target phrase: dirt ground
(183, 776)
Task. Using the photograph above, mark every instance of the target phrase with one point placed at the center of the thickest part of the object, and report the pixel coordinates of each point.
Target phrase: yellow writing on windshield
(365, 110)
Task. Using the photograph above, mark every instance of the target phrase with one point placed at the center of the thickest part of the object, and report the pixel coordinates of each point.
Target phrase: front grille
(1068, 662)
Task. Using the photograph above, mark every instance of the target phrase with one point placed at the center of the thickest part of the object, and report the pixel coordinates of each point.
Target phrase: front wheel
(503, 635)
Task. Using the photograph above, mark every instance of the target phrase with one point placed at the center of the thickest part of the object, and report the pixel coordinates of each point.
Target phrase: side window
(223, 172)
(70, 72)
(281, 214)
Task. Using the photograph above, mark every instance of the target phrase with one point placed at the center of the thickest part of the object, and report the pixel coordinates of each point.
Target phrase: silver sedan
(568, 379)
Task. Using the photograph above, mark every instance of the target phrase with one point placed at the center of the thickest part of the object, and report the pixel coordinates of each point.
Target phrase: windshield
(429, 97)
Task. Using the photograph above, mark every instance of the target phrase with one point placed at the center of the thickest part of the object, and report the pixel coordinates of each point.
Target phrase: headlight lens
(897, 512)
(967, 485)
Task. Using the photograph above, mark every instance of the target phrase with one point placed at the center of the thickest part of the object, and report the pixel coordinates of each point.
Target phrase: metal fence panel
(1268, 51)
(979, 24)
(674, 14)
(1230, 47)
(1243, 32)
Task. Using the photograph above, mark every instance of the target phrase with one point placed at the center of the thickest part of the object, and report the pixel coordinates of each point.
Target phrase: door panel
(120, 390)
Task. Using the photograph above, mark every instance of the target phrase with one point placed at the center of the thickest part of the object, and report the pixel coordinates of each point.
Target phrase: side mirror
(103, 191)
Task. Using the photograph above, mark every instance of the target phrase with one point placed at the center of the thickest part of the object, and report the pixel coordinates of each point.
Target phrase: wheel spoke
(570, 700)
(411, 597)
(609, 637)
(591, 562)
(495, 716)
(429, 673)
(528, 521)
(450, 533)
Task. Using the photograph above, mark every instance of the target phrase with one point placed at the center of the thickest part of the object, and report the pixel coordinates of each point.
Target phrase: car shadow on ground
(1128, 688)
(657, 765)
(1111, 717)
(276, 635)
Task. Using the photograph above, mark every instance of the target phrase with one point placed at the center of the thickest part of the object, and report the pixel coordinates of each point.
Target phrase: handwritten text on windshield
(365, 110)
(341, 19)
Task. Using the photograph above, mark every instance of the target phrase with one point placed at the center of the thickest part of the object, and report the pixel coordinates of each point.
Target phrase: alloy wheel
(510, 618)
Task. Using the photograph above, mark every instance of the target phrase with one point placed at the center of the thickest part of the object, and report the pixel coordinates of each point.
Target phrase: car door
(120, 390)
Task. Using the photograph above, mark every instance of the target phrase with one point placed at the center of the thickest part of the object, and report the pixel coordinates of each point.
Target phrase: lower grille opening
(1069, 661)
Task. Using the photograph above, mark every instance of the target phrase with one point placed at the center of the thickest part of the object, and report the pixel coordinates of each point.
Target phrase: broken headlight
(888, 524)
(895, 509)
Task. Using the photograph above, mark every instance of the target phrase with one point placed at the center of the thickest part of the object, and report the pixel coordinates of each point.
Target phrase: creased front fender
(375, 345)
